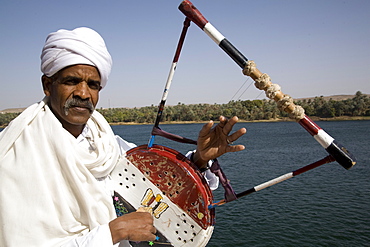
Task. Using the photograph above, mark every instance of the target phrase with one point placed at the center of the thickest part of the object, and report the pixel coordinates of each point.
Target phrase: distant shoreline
(343, 118)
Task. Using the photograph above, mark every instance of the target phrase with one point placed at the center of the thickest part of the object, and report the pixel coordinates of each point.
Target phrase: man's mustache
(77, 102)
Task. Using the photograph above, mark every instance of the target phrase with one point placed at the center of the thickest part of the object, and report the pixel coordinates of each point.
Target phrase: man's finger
(206, 129)
(234, 148)
(229, 124)
(237, 134)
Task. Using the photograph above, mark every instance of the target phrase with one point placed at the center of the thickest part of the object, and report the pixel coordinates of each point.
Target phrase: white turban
(79, 46)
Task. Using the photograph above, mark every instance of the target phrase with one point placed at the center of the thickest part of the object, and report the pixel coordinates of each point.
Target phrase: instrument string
(240, 89)
(259, 95)
(245, 90)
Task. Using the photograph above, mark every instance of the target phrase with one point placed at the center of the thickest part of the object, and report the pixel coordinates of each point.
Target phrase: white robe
(49, 192)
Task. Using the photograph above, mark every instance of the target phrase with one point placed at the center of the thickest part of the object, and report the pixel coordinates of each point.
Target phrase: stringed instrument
(172, 188)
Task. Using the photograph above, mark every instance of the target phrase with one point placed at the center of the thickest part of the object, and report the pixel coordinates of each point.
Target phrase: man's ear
(46, 84)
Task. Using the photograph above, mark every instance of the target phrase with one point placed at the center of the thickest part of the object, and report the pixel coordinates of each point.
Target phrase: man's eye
(94, 85)
(71, 82)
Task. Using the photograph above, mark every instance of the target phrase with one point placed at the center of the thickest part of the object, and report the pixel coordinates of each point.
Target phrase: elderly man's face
(73, 93)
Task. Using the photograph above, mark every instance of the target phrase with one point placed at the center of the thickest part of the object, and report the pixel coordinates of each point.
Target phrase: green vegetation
(247, 110)
(5, 118)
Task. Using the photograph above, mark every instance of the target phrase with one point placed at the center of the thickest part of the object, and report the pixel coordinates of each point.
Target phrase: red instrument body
(166, 181)
(178, 178)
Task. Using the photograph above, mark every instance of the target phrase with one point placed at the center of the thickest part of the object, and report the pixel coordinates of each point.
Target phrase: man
(56, 157)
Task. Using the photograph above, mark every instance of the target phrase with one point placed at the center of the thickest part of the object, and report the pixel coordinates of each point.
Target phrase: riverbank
(342, 118)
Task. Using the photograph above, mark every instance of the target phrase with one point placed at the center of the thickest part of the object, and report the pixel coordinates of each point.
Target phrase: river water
(327, 206)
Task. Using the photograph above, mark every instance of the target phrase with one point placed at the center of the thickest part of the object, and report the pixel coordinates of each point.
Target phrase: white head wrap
(79, 46)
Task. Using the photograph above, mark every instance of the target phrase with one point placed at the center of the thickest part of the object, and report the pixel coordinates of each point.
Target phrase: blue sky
(311, 48)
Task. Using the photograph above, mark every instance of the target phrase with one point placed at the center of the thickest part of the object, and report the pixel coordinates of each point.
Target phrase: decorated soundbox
(166, 183)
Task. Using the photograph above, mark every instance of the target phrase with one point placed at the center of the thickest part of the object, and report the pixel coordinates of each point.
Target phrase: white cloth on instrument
(79, 46)
(212, 180)
(48, 183)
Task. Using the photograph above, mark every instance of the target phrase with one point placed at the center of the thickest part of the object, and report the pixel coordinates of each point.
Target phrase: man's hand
(135, 226)
(214, 142)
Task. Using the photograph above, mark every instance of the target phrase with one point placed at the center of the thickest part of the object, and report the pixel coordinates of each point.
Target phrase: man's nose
(82, 90)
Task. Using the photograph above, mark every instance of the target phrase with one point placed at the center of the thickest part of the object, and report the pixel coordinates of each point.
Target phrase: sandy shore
(343, 118)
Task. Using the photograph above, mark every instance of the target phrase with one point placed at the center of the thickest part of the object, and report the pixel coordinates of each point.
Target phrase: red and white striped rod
(338, 151)
(326, 160)
(156, 130)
